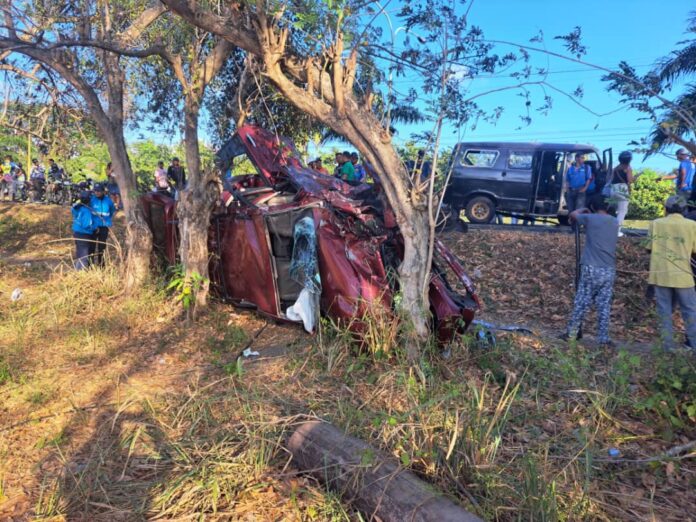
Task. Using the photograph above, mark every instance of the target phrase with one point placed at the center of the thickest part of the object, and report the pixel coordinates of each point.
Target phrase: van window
(520, 160)
(479, 158)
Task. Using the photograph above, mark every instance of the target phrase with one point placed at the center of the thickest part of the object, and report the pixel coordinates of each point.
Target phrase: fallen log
(373, 483)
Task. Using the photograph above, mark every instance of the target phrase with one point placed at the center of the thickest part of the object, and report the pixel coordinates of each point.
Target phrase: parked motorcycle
(59, 192)
(36, 190)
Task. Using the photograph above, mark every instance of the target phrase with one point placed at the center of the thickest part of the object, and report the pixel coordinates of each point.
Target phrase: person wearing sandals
(621, 181)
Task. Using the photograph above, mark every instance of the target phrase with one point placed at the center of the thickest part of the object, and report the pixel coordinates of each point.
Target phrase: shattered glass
(304, 266)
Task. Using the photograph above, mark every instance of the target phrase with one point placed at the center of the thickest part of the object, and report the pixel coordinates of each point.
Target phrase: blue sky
(638, 31)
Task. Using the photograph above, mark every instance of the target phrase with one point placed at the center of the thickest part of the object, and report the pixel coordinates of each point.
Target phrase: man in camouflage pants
(597, 269)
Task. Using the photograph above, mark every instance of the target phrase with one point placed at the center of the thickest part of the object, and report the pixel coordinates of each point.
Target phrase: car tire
(480, 210)
(563, 221)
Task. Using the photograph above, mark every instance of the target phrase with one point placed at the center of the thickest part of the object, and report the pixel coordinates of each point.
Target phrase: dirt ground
(111, 408)
(528, 278)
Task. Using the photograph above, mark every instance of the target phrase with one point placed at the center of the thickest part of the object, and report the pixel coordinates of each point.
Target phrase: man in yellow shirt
(672, 241)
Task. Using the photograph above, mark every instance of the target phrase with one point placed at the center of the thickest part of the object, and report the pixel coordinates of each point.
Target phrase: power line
(567, 132)
(513, 75)
(532, 138)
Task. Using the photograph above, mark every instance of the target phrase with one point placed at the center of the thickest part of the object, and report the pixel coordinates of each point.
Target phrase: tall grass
(80, 312)
(214, 452)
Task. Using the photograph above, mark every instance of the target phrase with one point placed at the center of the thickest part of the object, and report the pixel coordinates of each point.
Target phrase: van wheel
(480, 210)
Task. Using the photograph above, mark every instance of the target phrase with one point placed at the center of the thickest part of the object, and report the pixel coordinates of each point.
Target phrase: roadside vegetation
(648, 194)
(112, 409)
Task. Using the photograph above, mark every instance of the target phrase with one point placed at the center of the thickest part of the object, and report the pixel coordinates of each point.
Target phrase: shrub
(648, 195)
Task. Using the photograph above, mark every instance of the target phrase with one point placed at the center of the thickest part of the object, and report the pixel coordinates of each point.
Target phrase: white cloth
(305, 309)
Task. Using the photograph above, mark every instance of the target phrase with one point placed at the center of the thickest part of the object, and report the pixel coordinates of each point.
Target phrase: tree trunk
(410, 210)
(369, 480)
(138, 235)
(413, 271)
(194, 210)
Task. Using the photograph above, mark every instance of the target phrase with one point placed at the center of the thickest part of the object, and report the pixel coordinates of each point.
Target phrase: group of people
(582, 184)
(14, 181)
(672, 242)
(172, 180)
(93, 214)
(348, 167)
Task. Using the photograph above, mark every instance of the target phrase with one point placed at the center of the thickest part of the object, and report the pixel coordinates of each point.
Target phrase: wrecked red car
(290, 242)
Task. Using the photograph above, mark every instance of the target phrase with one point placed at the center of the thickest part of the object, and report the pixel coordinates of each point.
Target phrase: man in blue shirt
(685, 174)
(579, 177)
(103, 209)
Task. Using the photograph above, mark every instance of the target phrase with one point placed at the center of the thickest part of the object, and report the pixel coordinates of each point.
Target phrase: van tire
(480, 209)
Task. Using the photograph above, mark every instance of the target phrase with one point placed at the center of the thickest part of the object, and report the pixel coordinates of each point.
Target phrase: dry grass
(111, 410)
(518, 432)
(212, 453)
(526, 277)
(108, 408)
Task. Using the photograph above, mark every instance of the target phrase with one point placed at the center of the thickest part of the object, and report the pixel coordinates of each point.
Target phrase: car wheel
(480, 210)
(563, 220)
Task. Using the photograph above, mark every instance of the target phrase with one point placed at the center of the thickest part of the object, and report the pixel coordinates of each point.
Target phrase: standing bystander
(579, 177)
(672, 242)
(104, 210)
(346, 171)
(621, 181)
(684, 176)
(177, 175)
(112, 187)
(319, 167)
(161, 178)
(357, 167)
(597, 269)
(9, 178)
(83, 227)
(37, 180)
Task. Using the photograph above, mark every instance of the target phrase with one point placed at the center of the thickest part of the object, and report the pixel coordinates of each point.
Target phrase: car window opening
(479, 158)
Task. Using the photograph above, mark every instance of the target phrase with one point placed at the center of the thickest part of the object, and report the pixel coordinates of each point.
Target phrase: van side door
(549, 179)
(516, 180)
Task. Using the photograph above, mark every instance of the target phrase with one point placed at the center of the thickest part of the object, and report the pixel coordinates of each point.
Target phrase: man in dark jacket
(176, 174)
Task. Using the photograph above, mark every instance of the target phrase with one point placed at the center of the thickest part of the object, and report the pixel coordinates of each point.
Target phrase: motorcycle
(37, 190)
(59, 192)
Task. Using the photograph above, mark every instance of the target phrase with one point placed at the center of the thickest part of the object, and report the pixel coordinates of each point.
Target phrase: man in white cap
(684, 178)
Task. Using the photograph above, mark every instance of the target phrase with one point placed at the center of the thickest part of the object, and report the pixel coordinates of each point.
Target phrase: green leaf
(368, 457)
(405, 460)
(691, 410)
